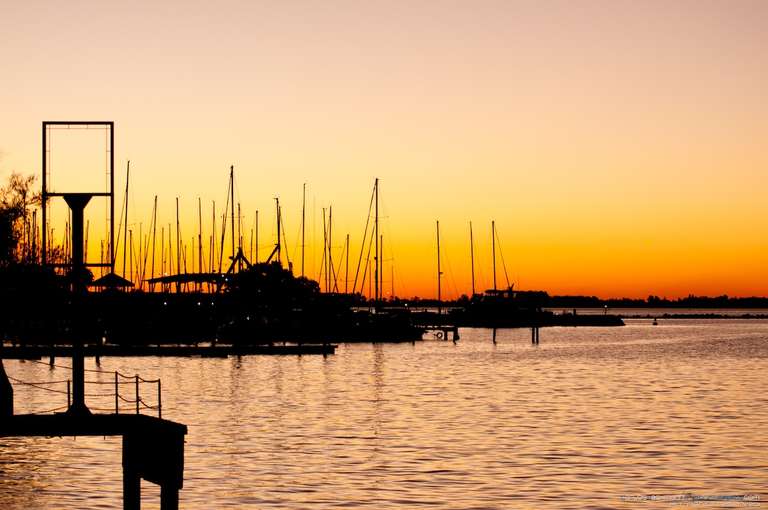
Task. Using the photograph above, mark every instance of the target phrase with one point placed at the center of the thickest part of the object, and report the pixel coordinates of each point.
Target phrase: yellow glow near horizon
(618, 146)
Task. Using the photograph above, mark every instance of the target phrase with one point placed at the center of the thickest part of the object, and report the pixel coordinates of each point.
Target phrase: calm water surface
(588, 416)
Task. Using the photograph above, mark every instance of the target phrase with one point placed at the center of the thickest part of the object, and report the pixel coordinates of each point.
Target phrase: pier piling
(6, 393)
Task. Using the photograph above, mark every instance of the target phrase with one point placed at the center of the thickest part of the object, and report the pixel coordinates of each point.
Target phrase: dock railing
(120, 387)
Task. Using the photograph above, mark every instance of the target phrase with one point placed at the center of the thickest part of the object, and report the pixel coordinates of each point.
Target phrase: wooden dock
(153, 448)
(208, 351)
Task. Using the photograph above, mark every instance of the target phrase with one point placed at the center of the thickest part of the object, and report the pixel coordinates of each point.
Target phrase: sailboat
(511, 307)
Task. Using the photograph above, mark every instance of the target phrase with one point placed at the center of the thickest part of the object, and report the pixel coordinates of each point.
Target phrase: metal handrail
(136, 380)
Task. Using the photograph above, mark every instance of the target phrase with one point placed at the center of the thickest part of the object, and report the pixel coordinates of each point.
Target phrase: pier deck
(153, 448)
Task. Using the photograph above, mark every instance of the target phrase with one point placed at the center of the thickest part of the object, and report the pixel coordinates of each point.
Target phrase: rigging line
(119, 230)
(332, 276)
(224, 226)
(146, 245)
(367, 265)
(390, 244)
(322, 259)
(362, 245)
(450, 272)
(337, 271)
(285, 241)
(503, 265)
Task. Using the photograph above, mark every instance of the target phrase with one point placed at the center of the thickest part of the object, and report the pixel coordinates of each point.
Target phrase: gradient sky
(619, 145)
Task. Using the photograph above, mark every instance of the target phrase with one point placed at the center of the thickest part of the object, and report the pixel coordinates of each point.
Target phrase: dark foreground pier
(212, 351)
(153, 448)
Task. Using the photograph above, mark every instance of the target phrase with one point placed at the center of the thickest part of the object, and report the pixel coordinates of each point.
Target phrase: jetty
(153, 447)
(204, 351)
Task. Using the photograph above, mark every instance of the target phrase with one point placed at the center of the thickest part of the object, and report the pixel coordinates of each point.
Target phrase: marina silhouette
(383, 255)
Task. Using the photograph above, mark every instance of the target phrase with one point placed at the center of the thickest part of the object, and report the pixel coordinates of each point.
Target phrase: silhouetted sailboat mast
(199, 235)
(178, 246)
(376, 253)
(303, 219)
(232, 206)
(346, 267)
(276, 249)
(439, 271)
(324, 262)
(472, 256)
(362, 248)
(331, 275)
(154, 233)
(125, 228)
(493, 249)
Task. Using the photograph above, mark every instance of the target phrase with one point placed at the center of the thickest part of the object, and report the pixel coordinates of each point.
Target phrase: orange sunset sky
(620, 146)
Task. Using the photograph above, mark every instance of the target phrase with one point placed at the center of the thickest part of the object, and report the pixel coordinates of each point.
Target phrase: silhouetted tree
(16, 200)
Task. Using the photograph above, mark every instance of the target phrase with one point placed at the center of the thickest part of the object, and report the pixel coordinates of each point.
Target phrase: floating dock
(208, 351)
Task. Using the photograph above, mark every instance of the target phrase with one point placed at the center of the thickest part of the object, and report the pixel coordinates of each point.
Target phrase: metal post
(69, 394)
(44, 196)
(117, 393)
(159, 400)
(77, 203)
(137, 394)
(112, 196)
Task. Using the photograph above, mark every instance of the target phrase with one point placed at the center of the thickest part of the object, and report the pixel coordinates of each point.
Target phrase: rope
(128, 379)
(96, 371)
(98, 394)
(35, 385)
(63, 381)
(50, 410)
(147, 406)
(110, 409)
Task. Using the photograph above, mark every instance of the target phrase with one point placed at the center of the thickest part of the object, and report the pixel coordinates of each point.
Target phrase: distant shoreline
(692, 316)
